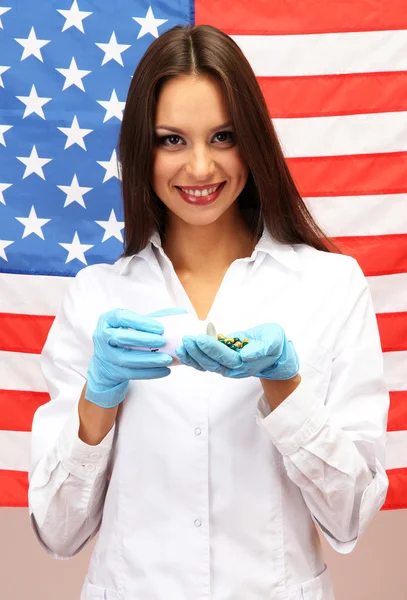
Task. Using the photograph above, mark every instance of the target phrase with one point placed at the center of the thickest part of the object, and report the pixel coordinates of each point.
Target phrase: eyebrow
(180, 131)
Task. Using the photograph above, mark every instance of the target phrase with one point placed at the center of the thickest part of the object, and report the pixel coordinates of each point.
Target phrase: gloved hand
(268, 355)
(113, 365)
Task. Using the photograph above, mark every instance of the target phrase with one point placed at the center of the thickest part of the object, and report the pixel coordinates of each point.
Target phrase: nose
(200, 166)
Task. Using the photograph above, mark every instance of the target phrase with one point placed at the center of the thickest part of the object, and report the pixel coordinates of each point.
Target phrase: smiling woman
(209, 480)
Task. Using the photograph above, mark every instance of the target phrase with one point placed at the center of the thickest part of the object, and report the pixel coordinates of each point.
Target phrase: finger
(287, 364)
(140, 359)
(150, 374)
(123, 338)
(203, 360)
(252, 352)
(186, 359)
(274, 338)
(266, 363)
(122, 317)
(236, 374)
(218, 352)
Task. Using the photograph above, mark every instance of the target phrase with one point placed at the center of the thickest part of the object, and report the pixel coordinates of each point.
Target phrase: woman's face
(195, 149)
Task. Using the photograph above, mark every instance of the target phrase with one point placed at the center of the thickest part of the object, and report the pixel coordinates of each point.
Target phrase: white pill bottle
(175, 328)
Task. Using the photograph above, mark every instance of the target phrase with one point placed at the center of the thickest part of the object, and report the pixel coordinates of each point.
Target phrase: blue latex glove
(268, 355)
(113, 365)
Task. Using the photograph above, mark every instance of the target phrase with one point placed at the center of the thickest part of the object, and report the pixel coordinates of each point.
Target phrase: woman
(211, 482)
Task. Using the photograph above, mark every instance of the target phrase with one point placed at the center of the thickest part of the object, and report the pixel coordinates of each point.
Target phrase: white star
(111, 166)
(2, 70)
(74, 17)
(149, 24)
(76, 249)
(32, 46)
(32, 224)
(74, 192)
(75, 134)
(33, 163)
(113, 107)
(112, 227)
(113, 50)
(3, 188)
(33, 103)
(3, 10)
(3, 245)
(73, 76)
(3, 129)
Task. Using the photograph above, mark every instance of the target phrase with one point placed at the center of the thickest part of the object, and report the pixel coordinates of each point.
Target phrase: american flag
(334, 75)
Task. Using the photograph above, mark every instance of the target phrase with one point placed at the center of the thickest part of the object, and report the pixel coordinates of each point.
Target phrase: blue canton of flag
(65, 69)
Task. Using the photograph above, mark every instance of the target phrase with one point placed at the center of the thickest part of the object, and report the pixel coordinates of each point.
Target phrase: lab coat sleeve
(68, 478)
(333, 448)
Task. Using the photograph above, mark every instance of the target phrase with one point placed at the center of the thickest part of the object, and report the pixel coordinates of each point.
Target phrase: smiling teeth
(200, 193)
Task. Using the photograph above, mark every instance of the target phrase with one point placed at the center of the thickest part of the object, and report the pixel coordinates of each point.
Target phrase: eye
(225, 133)
(164, 138)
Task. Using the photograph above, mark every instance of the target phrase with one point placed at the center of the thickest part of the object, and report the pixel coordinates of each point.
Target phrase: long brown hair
(270, 195)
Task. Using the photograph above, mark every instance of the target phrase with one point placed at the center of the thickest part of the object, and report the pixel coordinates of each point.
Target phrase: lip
(201, 200)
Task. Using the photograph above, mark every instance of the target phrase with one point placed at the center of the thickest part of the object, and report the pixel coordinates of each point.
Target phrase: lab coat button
(197, 523)
(94, 455)
(90, 467)
(198, 431)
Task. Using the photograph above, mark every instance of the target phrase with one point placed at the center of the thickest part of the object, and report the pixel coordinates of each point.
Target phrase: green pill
(234, 343)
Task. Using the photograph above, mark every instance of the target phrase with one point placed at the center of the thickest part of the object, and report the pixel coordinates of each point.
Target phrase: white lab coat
(199, 491)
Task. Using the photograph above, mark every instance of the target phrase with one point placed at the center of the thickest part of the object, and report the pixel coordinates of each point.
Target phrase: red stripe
(396, 496)
(393, 331)
(398, 412)
(353, 175)
(377, 254)
(17, 408)
(330, 95)
(293, 17)
(24, 333)
(13, 488)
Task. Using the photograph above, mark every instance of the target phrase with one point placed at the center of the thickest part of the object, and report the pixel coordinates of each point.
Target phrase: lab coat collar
(145, 254)
(283, 253)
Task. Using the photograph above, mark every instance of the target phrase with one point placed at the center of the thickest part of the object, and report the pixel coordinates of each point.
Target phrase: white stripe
(15, 450)
(395, 370)
(32, 294)
(20, 371)
(343, 135)
(325, 53)
(396, 450)
(389, 293)
(381, 214)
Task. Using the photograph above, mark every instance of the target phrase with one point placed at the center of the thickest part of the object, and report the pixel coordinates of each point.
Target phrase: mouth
(202, 198)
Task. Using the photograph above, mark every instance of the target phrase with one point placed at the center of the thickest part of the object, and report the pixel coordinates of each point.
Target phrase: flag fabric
(334, 76)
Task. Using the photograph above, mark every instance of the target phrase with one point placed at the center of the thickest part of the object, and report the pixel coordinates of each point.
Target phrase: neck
(211, 248)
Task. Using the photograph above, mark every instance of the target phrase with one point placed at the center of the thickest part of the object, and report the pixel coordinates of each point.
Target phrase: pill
(234, 343)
